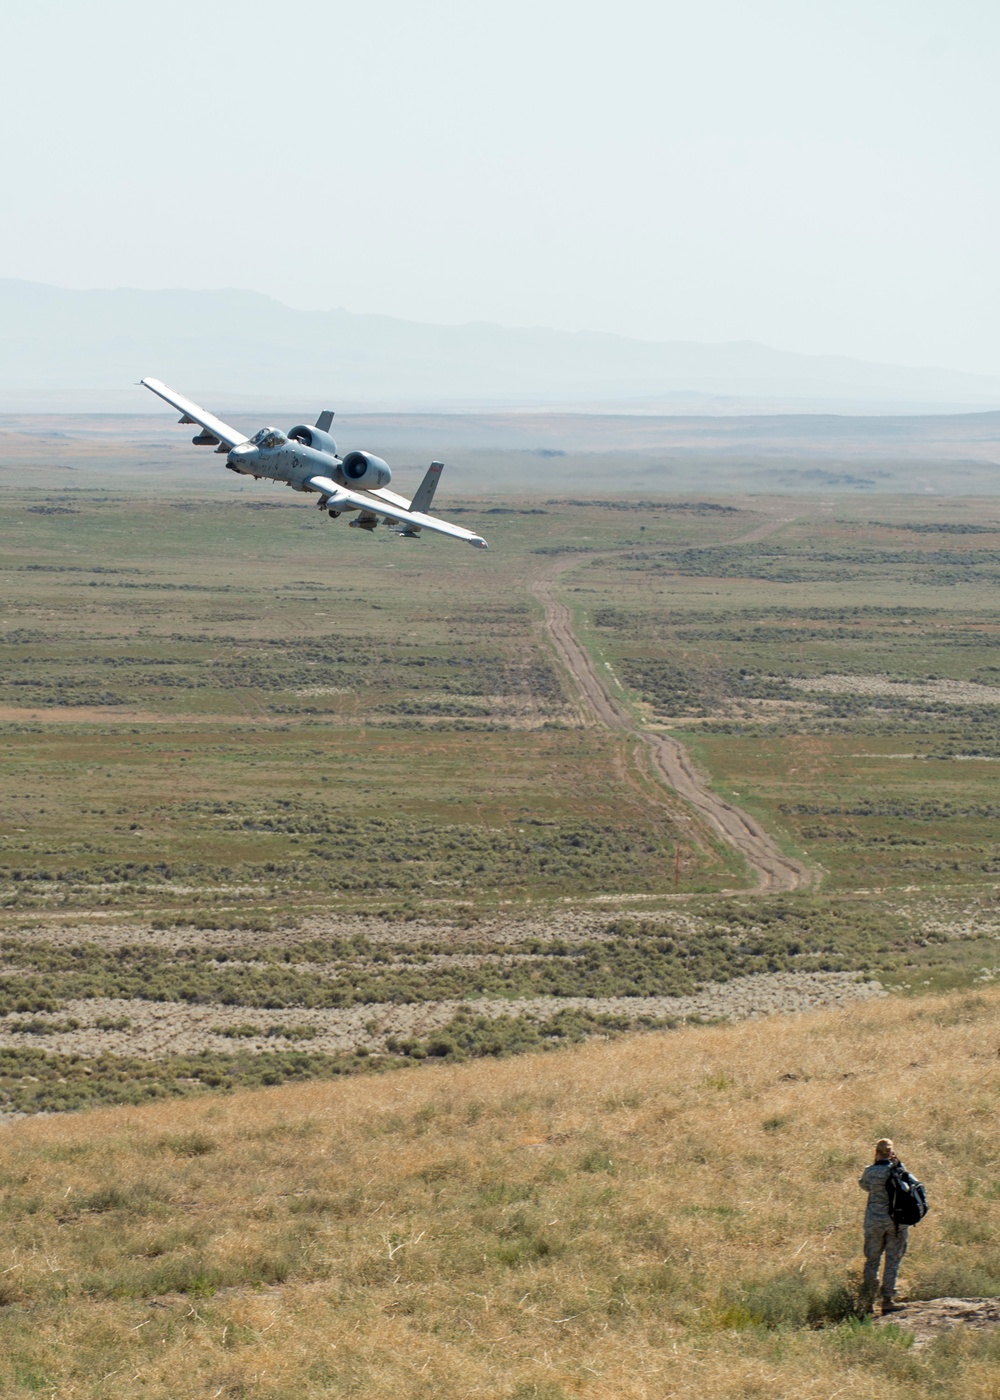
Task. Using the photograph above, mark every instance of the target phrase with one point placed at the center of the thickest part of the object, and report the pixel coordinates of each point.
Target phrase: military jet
(306, 459)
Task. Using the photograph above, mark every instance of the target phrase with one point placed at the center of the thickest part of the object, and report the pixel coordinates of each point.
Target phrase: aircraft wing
(377, 504)
(384, 494)
(193, 414)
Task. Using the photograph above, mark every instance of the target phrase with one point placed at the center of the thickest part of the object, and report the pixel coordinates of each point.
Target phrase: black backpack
(907, 1198)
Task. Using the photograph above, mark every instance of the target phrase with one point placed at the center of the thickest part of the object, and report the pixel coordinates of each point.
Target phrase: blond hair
(883, 1148)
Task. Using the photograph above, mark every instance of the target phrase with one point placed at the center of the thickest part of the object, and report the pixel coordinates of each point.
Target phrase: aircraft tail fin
(425, 491)
(325, 420)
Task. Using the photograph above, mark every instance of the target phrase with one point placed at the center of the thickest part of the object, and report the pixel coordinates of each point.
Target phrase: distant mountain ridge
(64, 350)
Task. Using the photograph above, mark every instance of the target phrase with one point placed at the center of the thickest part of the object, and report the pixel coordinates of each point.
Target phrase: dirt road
(775, 871)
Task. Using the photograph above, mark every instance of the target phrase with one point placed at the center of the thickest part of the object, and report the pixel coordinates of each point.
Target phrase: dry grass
(648, 1217)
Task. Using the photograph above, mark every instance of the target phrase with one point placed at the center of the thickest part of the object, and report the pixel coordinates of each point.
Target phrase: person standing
(882, 1234)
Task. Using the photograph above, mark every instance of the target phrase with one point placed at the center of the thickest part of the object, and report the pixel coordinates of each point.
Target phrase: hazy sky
(820, 175)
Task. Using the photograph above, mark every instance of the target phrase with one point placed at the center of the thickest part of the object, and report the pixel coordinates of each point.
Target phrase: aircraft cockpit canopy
(269, 437)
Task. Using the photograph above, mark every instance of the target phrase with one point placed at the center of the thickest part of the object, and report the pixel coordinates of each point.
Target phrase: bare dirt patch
(931, 1319)
(103, 714)
(158, 1029)
(941, 692)
(569, 925)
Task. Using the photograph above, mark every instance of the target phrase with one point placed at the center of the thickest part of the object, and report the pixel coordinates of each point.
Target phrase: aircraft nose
(241, 458)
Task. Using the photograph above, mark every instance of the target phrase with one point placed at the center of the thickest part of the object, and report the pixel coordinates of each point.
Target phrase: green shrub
(793, 1300)
(138, 1199)
(194, 1144)
(960, 1278)
(596, 1160)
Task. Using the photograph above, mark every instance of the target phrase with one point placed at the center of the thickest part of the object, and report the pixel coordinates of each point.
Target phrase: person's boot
(889, 1305)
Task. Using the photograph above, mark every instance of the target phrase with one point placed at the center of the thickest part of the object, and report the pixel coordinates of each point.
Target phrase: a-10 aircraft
(306, 459)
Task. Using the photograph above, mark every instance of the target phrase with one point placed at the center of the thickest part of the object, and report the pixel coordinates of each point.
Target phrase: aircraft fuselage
(293, 463)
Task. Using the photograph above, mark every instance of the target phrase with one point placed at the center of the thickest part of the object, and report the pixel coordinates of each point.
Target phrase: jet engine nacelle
(365, 471)
(313, 437)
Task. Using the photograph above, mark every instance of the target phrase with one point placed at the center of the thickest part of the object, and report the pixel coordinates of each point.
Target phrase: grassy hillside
(643, 1217)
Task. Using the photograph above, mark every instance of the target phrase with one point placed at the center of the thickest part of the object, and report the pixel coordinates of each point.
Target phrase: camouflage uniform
(881, 1234)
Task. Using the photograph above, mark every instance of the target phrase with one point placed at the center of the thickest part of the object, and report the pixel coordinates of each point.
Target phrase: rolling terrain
(83, 348)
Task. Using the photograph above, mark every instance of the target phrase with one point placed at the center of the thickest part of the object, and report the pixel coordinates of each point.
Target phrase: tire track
(775, 871)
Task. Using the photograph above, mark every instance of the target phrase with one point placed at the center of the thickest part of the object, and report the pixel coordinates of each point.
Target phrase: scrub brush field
(214, 704)
(282, 801)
